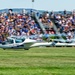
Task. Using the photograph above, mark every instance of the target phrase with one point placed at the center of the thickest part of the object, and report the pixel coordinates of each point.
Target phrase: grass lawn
(38, 61)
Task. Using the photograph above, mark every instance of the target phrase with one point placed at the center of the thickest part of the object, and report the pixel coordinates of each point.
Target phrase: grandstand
(33, 22)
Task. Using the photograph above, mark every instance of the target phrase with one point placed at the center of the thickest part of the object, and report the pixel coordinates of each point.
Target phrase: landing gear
(26, 48)
(4, 49)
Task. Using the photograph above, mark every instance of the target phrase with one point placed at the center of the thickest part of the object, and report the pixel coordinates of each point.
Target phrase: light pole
(32, 4)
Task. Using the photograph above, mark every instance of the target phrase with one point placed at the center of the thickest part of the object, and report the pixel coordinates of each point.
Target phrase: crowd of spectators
(47, 23)
(17, 24)
(23, 24)
(65, 23)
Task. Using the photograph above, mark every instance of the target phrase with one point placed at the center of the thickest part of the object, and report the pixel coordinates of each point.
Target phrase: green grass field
(38, 61)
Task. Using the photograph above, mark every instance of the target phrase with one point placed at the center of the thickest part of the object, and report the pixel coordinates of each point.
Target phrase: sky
(48, 5)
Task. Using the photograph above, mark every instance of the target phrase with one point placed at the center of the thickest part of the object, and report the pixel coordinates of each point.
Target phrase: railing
(55, 28)
(40, 24)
